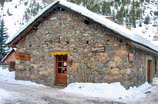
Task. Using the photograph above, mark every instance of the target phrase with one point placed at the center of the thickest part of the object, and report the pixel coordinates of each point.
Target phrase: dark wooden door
(12, 66)
(149, 62)
(61, 69)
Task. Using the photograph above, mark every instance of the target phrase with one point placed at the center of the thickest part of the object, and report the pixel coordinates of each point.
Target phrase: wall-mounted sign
(98, 49)
(131, 57)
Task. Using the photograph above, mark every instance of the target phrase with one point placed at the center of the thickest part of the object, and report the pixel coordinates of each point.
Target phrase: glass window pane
(59, 58)
(64, 58)
(60, 64)
(59, 70)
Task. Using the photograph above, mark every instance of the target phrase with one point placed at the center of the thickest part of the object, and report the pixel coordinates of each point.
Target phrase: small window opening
(58, 8)
(107, 42)
(67, 42)
(86, 22)
(87, 42)
(30, 45)
(120, 40)
(62, 9)
(59, 40)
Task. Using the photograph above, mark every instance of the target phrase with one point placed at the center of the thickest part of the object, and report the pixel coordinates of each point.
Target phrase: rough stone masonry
(67, 31)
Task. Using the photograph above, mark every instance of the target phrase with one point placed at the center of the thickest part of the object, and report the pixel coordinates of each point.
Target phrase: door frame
(56, 69)
(149, 71)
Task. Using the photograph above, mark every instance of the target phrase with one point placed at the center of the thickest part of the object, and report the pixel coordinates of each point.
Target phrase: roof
(7, 55)
(134, 37)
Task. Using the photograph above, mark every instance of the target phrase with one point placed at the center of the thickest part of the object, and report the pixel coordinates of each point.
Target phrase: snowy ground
(25, 92)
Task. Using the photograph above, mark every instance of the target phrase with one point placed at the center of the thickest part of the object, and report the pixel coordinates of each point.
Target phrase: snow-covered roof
(7, 55)
(95, 17)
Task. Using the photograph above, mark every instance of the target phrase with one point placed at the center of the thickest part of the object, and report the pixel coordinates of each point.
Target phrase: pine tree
(147, 1)
(3, 38)
(138, 13)
(133, 14)
(140, 24)
(106, 8)
(156, 13)
(2, 2)
(120, 15)
(147, 20)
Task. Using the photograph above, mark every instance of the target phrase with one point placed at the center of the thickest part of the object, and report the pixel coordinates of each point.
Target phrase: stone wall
(138, 67)
(66, 31)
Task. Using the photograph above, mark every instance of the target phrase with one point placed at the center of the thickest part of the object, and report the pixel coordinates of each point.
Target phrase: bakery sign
(98, 49)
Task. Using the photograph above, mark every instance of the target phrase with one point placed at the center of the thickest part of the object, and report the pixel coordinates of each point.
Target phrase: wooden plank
(61, 79)
(22, 56)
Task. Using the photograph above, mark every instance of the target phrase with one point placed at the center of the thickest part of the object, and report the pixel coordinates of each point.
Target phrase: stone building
(12, 57)
(10, 60)
(68, 43)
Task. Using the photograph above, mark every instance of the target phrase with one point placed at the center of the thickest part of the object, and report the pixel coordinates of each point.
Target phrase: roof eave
(12, 43)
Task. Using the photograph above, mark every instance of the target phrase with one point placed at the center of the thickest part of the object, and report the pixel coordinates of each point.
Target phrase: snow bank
(155, 80)
(6, 95)
(114, 90)
(7, 76)
(3, 95)
(111, 91)
(139, 92)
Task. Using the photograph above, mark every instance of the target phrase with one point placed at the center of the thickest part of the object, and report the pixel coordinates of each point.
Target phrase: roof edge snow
(6, 56)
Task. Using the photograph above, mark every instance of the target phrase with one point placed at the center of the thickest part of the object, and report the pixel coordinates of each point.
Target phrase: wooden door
(149, 63)
(12, 66)
(61, 69)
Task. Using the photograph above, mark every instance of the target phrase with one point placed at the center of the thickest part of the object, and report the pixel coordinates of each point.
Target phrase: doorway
(61, 69)
(149, 70)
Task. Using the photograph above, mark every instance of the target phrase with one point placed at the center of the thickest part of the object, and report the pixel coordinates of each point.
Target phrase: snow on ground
(5, 94)
(7, 76)
(113, 91)
(155, 81)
